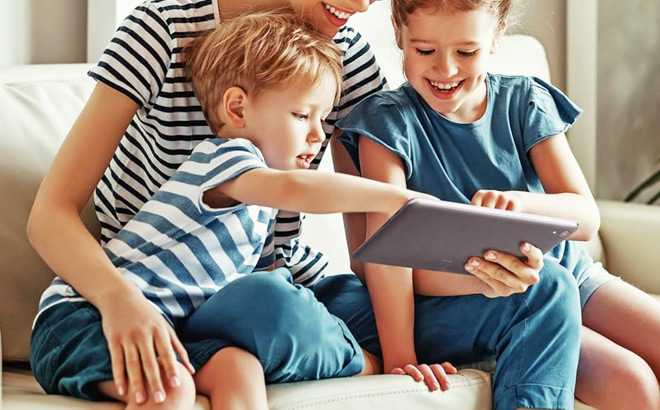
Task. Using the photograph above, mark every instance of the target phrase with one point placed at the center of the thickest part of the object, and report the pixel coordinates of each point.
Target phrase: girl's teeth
(339, 14)
(442, 86)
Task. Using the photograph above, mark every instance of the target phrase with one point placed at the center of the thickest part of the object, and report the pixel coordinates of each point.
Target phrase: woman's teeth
(444, 86)
(339, 14)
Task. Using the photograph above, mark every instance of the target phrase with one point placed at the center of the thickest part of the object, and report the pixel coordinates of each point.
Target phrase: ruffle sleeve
(548, 112)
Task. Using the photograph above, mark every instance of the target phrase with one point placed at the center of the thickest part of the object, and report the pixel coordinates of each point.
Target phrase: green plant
(647, 183)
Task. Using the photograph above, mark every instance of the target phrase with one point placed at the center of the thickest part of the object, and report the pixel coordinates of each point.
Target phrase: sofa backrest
(38, 106)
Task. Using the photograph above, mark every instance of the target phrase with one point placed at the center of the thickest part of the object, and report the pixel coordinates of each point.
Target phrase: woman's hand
(141, 342)
(435, 375)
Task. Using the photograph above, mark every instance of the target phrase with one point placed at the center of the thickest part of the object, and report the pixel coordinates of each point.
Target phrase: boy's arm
(311, 192)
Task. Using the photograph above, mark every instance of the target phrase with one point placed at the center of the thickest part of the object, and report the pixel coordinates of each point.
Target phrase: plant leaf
(655, 177)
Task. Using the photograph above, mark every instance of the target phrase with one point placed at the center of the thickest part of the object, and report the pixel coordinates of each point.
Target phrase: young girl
(461, 134)
(141, 122)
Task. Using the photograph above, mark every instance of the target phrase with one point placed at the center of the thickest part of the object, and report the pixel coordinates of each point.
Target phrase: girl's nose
(445, 66)
(360, 5)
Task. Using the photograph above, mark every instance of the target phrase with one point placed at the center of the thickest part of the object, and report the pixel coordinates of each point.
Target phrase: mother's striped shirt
(144, 62)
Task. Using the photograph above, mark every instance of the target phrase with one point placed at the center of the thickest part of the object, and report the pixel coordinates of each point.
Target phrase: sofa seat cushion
(470, 391)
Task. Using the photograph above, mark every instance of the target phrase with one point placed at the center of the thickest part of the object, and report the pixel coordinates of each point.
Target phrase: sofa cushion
(35, 118)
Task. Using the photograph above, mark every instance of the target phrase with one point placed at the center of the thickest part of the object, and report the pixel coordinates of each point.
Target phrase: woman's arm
(567, 192)
(131, 325)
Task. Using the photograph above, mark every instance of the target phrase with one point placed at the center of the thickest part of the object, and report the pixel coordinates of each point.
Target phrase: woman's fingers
(134, 372)
(151, 369)
(180, 350)
(118, 366)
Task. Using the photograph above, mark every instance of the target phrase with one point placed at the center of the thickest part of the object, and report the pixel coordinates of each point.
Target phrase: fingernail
(139, 397)
(159, 397)
(526, 247)
(175, 381)
(474, 262)
(469, 268)
(121, 389)
(490, 256)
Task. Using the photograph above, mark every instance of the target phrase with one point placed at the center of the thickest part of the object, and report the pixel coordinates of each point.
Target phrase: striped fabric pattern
(177, 250)
(144, 62)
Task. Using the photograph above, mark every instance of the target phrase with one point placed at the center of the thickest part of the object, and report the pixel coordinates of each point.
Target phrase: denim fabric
(535, 336)
(291, 333)
(282, 324)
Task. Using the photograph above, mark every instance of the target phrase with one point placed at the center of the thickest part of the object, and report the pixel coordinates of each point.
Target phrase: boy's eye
(466, 53)
(424, 52)
(301, 116)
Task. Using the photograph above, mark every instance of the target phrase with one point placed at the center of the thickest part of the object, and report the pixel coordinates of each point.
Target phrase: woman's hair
(500, 9)
(257, 52)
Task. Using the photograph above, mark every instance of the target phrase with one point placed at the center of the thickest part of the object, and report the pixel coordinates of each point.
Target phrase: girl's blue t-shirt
(452, 161)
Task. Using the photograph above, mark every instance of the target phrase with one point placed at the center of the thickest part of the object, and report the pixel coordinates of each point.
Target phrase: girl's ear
(397, 33)
(233, 105)
(498, 36)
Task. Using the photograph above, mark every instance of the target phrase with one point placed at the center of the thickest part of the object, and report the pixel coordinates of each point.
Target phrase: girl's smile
(445, 59)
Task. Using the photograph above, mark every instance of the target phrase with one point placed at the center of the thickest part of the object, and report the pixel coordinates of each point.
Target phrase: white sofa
(38, 104)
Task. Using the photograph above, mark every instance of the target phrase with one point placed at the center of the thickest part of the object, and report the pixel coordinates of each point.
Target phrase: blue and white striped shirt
(177, 250)
(144, 62)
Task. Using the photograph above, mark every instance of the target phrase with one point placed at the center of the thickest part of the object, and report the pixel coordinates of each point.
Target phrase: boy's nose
(316, 135)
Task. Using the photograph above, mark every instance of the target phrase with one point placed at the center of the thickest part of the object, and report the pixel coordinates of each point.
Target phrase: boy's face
(445, 58)
(328, 16)
(286, 124)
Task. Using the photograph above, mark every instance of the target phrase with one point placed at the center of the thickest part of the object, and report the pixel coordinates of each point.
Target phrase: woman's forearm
(70, 250)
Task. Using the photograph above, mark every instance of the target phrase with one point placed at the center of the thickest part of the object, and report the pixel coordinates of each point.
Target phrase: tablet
(442, 236)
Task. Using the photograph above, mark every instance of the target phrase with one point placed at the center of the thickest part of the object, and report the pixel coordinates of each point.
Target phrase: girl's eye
(424, 52)
(466, 53)
(301, 116)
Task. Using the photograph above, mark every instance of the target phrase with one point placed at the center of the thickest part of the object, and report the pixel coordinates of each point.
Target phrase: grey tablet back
(442, 236)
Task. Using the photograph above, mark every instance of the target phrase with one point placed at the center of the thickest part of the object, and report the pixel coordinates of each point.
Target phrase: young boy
(199, 250)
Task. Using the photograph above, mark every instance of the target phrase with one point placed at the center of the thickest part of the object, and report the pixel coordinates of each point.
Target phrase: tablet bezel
(442, 235)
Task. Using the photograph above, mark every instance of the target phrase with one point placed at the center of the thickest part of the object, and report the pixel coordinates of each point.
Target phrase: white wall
(42, 31)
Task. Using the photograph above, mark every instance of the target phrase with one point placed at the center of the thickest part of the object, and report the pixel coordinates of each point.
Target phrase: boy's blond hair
(257, 52)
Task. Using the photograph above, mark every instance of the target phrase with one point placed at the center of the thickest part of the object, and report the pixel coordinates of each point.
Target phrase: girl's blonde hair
(500, 9)
(257, 52)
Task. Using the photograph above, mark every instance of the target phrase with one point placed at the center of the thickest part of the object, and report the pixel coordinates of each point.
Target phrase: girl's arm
(567, 192)
(355, 224)
(390, 288)
(132, 326)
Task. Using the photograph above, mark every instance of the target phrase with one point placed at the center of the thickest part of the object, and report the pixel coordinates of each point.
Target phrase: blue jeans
(535, 336)
(283, 325)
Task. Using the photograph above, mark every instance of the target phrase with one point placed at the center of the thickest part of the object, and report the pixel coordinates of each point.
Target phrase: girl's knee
(636, 380)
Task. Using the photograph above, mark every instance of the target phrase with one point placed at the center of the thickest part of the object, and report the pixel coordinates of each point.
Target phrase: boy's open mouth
(304, 161)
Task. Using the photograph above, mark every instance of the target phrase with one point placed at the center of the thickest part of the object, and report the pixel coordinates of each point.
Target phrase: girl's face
(445, 57)
(328, 16)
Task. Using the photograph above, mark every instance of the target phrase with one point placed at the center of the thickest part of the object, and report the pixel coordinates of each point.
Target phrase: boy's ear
(498, 36)
(233, 104)
(397, 33)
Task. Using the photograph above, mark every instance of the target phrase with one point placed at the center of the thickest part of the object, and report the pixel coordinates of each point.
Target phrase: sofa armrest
(0, 369)
(630, 234)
